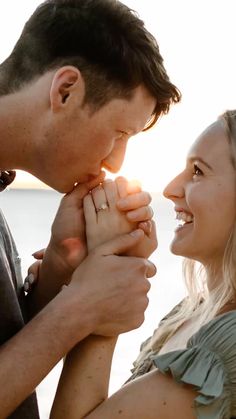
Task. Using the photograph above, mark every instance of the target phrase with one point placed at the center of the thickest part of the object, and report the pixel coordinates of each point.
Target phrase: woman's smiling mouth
(184, 219)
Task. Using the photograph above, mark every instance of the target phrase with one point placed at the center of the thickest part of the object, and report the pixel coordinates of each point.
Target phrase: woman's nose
(175, 188)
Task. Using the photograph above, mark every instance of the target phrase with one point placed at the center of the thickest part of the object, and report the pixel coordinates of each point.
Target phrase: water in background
(30, 213)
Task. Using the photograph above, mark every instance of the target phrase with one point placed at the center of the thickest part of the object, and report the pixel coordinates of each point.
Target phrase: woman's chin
(178, 249)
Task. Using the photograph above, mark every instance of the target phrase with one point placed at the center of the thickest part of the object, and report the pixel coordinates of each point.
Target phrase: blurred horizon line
(43, 187)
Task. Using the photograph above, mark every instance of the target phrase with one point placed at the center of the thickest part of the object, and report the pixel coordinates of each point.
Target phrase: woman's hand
(104, 221)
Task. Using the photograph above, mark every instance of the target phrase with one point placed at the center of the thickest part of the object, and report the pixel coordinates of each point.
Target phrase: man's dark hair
(104, 39)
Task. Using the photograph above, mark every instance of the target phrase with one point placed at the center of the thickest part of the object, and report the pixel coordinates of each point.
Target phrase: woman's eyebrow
(192, 159)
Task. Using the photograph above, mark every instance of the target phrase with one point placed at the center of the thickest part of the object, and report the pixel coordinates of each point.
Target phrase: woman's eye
(197, 171)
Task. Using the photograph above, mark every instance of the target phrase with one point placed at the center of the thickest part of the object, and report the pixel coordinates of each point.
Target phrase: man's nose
(114, 160)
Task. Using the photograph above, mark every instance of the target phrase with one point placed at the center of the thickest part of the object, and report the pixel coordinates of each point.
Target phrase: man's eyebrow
(193, 159)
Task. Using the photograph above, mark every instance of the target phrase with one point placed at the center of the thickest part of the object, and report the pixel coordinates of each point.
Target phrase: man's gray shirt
(12, 306)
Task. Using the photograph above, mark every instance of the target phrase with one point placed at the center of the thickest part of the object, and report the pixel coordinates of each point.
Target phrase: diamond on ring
(102, 207)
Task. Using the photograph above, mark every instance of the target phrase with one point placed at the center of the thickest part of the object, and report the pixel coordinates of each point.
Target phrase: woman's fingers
(140, 214)
(126, 187)
(134, 201)
(112, 193)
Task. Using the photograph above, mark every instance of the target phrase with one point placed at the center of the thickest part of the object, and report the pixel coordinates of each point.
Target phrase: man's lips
(101, 175)
(91, 178)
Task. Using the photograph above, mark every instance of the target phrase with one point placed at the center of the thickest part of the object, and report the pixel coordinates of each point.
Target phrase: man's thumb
(121, 244)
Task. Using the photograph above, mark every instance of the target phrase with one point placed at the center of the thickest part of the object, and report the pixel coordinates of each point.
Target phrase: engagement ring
(104, 206)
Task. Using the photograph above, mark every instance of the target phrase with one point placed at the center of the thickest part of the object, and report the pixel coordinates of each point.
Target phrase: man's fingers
(39, 254)
(33, 276)
(146, 226)
(151, 269)
(153, 232)
(34, 268)
(121, 244)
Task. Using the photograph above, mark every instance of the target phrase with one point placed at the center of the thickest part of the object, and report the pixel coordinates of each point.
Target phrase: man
(83, 78)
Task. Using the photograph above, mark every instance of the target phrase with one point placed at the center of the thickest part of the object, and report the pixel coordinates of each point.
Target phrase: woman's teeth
(183, 217)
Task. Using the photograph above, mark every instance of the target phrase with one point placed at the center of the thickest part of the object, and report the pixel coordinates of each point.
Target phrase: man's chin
(92, 180)
(62, 188)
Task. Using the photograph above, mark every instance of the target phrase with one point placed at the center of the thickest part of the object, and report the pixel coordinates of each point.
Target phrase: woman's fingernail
(29, 282)
(122, 203)
(26, 286)
(31, 278)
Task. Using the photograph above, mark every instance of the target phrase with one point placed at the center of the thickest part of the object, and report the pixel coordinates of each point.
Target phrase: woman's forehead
(210, 135)
(212, 144)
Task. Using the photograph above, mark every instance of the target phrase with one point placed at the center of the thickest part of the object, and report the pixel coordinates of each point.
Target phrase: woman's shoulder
(218, 331)
(215, 339)
(208, 363)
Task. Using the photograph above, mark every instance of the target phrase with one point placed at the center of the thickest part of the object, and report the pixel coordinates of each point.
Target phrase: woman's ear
(67, 84)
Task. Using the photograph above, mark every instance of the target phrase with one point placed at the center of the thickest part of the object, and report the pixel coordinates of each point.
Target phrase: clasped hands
(80, 231)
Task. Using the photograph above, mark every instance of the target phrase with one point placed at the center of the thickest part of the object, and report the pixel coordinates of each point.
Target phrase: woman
(188, 368)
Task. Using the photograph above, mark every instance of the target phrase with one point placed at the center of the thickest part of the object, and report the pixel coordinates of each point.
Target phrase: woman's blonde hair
(199, 301)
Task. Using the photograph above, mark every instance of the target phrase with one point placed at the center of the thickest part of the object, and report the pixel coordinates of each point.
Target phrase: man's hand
(68, 246)
(115, 287)
(66, 249)
(68, 242)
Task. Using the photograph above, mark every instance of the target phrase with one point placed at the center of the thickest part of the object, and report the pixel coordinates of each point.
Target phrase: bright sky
(197, 41)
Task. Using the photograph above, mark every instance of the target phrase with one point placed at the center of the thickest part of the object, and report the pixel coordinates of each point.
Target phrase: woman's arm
(152, 396)
(85, 379)
(82, 392)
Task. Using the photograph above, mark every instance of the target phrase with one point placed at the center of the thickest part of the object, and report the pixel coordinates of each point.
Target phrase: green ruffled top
(208, 363)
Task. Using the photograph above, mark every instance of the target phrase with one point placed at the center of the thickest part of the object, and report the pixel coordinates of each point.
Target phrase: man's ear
(67, 85)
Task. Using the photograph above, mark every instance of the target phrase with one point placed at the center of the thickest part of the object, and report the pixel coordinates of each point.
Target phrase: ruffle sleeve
(209, 365)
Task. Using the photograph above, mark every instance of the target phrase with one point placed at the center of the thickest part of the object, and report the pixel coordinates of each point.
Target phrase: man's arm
(96, 301)
(28, 357)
